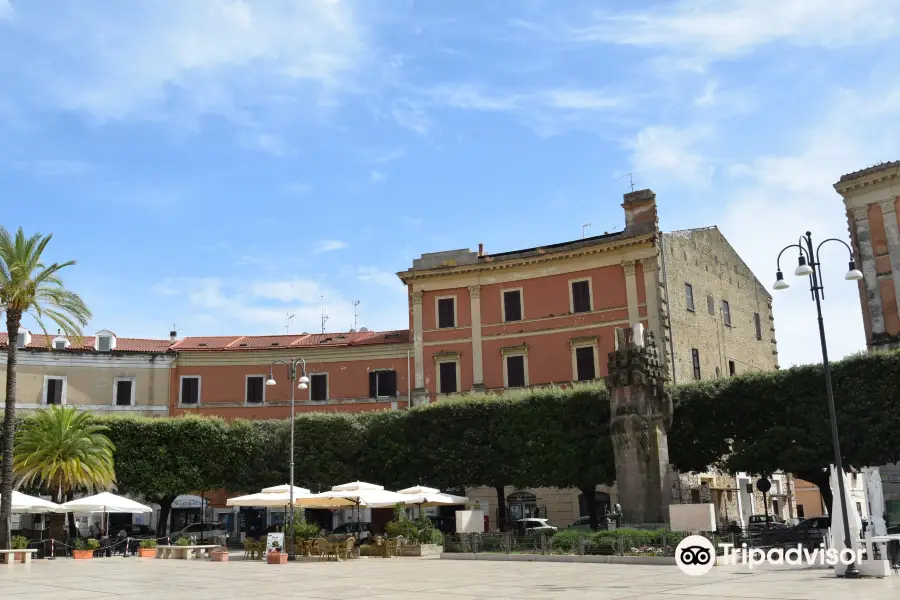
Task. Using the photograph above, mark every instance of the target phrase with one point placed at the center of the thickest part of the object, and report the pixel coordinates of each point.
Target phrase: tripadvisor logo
(696, 555)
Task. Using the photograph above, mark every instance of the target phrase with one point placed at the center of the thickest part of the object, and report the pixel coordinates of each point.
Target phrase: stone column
(892, 234)
(477, 361)
(867, 258)
(420, 394)
(631, 292)
(651, 291)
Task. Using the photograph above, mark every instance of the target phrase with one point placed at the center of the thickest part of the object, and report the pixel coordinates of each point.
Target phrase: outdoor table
(892, 541)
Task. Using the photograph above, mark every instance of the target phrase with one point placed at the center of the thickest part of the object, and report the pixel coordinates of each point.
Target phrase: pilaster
(420, 394)
(870, 275)
(477, 360)
(892, 234)
(631, 292)
(652, 293)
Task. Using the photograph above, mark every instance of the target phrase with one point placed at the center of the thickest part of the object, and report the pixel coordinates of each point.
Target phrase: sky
(219, 165)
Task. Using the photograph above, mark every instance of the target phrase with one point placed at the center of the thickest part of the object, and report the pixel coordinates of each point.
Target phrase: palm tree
(64, 451)
(28, 286)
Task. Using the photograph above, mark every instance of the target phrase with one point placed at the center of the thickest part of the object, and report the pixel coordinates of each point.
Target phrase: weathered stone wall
(704, 259)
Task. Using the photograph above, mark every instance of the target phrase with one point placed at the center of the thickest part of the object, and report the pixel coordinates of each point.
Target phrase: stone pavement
(416, 579)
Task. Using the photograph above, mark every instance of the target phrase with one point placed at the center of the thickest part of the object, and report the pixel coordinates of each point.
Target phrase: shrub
(93, 544)
(567, 540)
(183, 541)
(302, 529)
(19, 542)
(148, 544)
(420, 530)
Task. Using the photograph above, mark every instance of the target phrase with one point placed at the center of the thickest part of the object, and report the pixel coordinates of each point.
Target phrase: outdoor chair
(347, 548)
(323, 549)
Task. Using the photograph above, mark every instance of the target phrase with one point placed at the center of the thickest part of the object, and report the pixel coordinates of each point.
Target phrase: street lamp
(808, 265)
(303, 384)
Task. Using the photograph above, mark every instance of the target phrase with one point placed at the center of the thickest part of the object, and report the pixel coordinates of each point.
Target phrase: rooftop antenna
(355, 312)
(631, 180)
(287, 328)
(583, 227)
(324, 316)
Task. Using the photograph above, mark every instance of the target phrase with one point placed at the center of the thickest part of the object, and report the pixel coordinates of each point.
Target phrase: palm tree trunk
(13, 320)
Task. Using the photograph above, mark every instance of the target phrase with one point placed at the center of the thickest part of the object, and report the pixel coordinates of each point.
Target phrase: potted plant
(183, 541)
(84, 549)
(19, 542)
(276, 556)
(147, 549)
(220, 554)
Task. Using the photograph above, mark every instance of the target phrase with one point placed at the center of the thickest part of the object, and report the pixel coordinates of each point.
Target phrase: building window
(689, 296)
(123, 390)
(190, 390)
(54, 390)
(695, 359)
(585, 367)
(104, 343)
(758, 326)
(731, 369)
(726, 313)
(448, 382)
(318, 387)
(711, 305)
(255, 389)
(515, 371)
(382, 384)
(512, 305)
(59, 345)
(446, 312)
(581, 296)
(800, 511)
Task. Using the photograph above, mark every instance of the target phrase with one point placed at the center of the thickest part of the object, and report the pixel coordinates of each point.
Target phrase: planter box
(421, 550)
(219, 555)
(19, 556)
(147, 552)
(82, 554)
(277, 558)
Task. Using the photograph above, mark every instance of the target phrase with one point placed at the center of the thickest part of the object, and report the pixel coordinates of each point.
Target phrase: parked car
(533, 525)
(202, 531)
(137, 532)
(585, 523)
(758, 522)
(353, 528)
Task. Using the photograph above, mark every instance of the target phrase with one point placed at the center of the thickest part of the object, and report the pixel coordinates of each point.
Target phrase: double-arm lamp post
(809, 266)
(303, 384)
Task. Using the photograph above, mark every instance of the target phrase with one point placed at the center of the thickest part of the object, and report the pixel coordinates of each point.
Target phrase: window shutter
(373, 384)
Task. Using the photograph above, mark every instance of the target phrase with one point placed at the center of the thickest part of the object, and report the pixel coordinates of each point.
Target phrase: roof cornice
(489, 265)
(881, 177)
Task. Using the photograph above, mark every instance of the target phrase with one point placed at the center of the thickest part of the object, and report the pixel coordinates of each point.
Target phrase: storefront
(186, 510)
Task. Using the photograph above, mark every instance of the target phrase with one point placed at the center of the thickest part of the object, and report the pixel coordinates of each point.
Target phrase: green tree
(65, 451)
(28, 286)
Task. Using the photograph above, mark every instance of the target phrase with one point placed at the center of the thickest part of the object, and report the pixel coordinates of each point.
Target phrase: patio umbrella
(278, 495)
(357, 493)
(875, 494)
(23, 503)
(104, 502)
(425, 497)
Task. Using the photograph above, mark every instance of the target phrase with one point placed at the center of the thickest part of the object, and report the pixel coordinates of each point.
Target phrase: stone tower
(640, 417)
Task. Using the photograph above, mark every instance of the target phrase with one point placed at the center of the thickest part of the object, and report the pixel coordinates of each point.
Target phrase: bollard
(52, 549)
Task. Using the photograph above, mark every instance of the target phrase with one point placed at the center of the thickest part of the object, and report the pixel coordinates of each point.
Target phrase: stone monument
(640, 417)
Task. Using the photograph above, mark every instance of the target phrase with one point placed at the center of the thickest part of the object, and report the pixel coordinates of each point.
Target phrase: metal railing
(644, 543)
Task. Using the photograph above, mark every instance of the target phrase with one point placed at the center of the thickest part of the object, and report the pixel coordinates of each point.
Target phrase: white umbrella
(837, 518)
(426, 496)
(875, 493)
(23, 503)
(357, 493)
(104, 502)
(278, 495)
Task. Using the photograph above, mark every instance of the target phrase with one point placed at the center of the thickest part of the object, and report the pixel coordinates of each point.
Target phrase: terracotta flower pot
(219, 555)
(147, 552)
(82, 554)
(276, 558)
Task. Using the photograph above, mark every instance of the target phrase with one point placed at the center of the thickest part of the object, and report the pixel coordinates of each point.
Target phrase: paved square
(416, 579)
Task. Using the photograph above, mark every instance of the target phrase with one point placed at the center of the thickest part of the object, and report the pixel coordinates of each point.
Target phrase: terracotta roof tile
(269, 342)
(40, 341)
(869, 170)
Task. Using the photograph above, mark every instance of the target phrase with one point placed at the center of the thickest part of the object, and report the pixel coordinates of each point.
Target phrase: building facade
(870, 197)
(548, 315)
(103, 373)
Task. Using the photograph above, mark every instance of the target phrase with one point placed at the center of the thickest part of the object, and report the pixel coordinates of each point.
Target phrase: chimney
(640, 212)
(480, 250)
(173, 336)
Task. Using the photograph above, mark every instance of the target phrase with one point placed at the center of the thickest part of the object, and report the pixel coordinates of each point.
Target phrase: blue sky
(218, 164)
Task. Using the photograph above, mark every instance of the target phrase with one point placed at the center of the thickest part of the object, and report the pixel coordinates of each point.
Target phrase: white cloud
(581, 99)
(377, 177)
(380, 277)
(722, 29)
(669, 153)
(411, 117)
(203, 57)
(328, 246)
(295, 188)
(708, 96)
(56, 167)
(299, 290)
(786, 195)
(266, 142)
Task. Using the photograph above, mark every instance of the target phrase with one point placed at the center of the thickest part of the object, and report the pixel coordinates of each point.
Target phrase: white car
(202, 531)
(535, 525)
